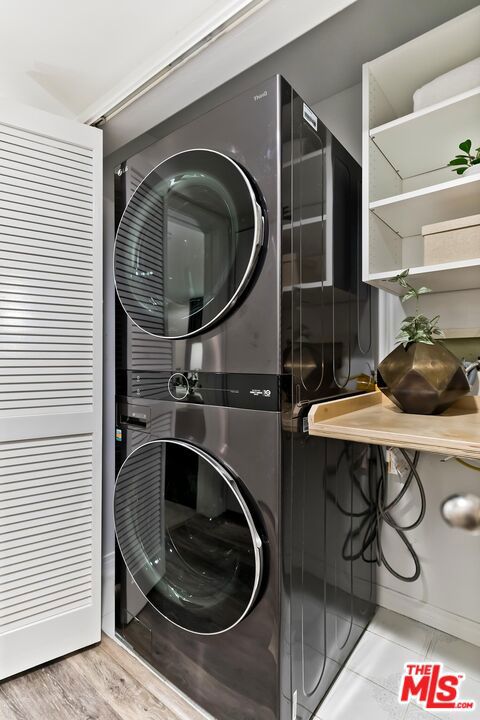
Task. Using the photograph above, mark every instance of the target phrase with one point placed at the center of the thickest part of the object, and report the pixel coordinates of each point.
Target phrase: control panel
(241, 390)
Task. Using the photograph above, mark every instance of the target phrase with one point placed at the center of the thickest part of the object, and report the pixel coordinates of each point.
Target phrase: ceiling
(79, 58)
(320, 51)
(82, 59)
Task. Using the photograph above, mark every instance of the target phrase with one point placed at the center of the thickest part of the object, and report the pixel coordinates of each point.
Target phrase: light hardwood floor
(102, 683)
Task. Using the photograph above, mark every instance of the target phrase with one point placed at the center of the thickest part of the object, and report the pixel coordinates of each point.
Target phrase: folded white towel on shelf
(456, 81)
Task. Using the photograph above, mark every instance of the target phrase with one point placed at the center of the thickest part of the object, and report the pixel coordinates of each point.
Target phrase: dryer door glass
(187, 536)
(187, 243)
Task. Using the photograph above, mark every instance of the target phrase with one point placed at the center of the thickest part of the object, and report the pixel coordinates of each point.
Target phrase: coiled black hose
(368, 535)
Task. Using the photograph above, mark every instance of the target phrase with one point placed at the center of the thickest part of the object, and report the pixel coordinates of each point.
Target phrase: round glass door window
(187, 243)
(187, 536)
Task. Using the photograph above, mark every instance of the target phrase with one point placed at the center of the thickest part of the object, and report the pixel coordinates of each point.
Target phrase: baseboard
(423, 612)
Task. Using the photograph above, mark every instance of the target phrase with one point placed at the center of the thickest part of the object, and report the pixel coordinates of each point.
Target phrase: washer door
(187, 536)
(187, 243)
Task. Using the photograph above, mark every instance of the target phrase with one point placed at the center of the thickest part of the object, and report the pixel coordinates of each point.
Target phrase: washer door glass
(187, 243)
(187, 536)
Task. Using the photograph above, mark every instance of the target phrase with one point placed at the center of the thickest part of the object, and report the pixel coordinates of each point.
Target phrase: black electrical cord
(368, 534)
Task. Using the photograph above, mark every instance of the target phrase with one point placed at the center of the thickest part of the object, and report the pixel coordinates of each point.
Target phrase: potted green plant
(466, 163)
(421, 375)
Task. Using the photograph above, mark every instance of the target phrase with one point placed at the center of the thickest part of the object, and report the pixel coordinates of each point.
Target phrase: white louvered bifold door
(50, 387)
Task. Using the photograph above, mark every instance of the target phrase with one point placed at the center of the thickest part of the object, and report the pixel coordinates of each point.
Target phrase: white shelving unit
(406, 181)
(444, 277)
(417, 141)
(406, 213)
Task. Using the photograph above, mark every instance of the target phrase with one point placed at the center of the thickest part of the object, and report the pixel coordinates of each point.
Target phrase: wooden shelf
(405, 214)
(426, 140)
(371, 418)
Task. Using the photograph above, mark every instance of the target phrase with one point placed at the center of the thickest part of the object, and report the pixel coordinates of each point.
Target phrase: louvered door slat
(37, 578)
(46, 170)
(42, 540)
(59, 324)
(14, 298)
(50, 387)
(31, 525)
(76, 447)
(41, 270)
(29, 221)
(46, 209)
(56, 186)
(72, 265)
(54, 243)
(40, 233)
(50, 144)
(54, 375)
(41, 156)
(20, 285)
(43, 205)
(50, 607)
(56, 445)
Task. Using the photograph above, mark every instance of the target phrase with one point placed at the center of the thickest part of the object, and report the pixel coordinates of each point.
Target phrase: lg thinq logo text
(433, 688)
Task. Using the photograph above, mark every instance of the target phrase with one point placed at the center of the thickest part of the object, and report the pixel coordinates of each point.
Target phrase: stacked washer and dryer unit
(239, 573)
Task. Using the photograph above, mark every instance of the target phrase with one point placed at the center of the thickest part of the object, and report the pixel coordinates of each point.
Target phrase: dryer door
(187, 536)
(187, 243)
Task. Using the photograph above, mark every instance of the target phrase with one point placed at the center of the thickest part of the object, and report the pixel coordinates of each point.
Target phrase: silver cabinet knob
(462, 511)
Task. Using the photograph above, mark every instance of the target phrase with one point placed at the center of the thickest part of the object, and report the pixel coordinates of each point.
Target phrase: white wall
(446, 595)
(342, 114)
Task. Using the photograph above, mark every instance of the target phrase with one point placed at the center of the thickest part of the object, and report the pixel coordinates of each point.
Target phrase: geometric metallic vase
(422, 379)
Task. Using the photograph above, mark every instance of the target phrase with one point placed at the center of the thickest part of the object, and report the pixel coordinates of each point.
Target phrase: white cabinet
(406, 181)
(50, 386)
